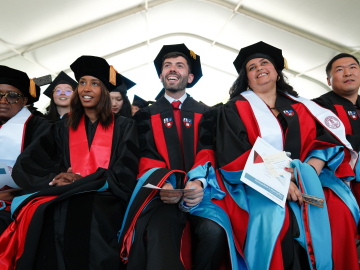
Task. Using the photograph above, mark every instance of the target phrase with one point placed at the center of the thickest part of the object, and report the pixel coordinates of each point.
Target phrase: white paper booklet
(264, 171)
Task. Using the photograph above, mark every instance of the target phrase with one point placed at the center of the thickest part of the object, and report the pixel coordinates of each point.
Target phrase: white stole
(270, 129)
(331, 122)
(11, 137)
(269, 126)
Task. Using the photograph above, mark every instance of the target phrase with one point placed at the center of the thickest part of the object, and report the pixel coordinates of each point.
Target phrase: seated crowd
(71, 181)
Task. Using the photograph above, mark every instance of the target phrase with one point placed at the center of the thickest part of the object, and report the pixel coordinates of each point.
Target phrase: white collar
(171, 100)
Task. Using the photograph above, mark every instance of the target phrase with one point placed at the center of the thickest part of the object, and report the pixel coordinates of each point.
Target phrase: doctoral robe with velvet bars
(273, 239)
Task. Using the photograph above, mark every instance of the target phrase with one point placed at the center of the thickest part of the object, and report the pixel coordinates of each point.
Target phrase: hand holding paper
(264, 172)
(193, 193)
(169, 195)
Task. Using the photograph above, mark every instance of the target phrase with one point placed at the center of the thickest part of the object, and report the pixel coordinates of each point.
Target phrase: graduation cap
(260, 50)
(21, 81)
(97, 67)
(193, 58)
(161, 94)
(125, 84)
(62, 78)
(139, 102)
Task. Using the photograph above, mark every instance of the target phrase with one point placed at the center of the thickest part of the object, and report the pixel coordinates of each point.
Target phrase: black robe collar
(292, 134)
(188, 110)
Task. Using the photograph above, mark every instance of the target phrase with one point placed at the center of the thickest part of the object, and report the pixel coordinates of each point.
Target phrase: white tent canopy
(44, 37)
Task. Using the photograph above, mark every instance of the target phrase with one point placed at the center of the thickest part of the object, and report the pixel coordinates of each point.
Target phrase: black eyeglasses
(11, 97)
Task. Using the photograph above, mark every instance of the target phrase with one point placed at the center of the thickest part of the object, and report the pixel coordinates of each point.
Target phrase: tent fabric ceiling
(42, 37)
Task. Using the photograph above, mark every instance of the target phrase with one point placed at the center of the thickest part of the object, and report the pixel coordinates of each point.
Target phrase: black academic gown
(345, 256)
(78, 229)
(34, 127)
(345, 110)
(160, 148)
(236, 133)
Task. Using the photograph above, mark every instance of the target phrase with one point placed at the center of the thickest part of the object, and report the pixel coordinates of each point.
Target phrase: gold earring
(278, 77)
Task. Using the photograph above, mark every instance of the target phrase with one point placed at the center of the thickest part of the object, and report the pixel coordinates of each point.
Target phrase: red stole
(84, 161)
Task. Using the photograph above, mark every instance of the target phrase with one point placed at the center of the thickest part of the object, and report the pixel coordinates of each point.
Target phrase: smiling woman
(92, 95)
(60, 92)
(83, 178)
(263, 105)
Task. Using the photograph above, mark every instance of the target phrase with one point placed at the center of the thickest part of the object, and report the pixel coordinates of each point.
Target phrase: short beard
(179, 87)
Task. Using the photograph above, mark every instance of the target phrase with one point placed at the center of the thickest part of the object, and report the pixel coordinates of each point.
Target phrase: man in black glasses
(18, 128)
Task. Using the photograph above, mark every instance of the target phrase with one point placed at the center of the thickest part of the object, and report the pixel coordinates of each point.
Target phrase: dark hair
(241, 84)
(174, 55)
(52, 114)
(103, 109)
(341, 55)
(126, 106)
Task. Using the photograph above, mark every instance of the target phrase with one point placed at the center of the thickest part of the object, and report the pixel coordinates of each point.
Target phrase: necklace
(270, 107)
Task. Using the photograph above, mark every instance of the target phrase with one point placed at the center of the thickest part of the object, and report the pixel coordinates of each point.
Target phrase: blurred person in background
(60, 92)
(120, 103)
(138, 103)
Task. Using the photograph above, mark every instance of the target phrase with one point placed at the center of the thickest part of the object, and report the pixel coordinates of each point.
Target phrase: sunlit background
(44, 37)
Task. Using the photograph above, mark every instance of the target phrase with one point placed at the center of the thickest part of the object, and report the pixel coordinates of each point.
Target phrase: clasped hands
(190, 198)
(65, 178)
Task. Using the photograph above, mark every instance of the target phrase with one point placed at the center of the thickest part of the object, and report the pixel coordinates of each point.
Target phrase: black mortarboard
(62, 78)
(138, 101)
(97, 67)
(125, 84)
(21, 81)
(161, 94)
(260, 50)
(194, 60)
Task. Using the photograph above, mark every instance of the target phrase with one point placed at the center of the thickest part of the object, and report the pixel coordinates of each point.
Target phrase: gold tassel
(286, 64)
(32, 88)
(193, 55)
(112, 78)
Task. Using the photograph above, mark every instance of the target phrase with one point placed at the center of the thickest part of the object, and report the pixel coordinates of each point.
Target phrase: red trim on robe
(308, 136)
(12, 241)
(23, 137)
(343, 232)
(127, 242)
(277, 262)
(237, 164)
(307, 228)
(84, 161)
(355, 188)
(159, 137)
(197, 117)
(8, 203)
(185, 248)
(147, 163)
(204, 156)
(344, 118)
(248, 118)
(239, 218)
